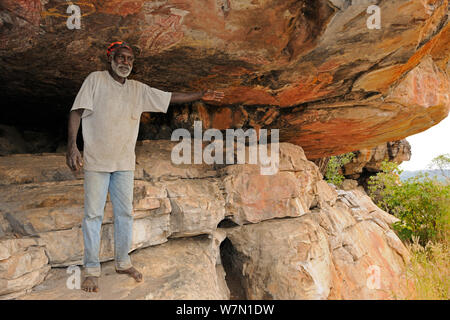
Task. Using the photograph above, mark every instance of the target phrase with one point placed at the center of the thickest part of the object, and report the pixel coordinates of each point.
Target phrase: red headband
(116, 45)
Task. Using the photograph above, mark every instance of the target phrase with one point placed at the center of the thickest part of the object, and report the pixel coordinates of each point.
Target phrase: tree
(441, 162)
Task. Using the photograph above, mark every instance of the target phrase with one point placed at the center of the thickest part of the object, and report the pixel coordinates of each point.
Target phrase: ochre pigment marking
(163, 34)
(27, 10)
(59, 10)
(119, 7)
(222, 119)
(303, 91)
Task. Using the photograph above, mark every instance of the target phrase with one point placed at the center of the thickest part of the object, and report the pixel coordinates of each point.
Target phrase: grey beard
(116, 69)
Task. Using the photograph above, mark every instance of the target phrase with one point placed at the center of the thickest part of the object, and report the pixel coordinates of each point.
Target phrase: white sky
(428, 144)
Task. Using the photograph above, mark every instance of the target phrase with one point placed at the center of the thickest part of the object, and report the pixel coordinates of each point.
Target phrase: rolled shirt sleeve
(155, 100)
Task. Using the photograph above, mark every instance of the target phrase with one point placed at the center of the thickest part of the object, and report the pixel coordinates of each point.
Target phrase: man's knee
(121, 192)
(95, 193)
(124, 208)
(94, 206)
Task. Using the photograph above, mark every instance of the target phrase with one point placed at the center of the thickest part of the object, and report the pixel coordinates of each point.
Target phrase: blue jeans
(96, 185)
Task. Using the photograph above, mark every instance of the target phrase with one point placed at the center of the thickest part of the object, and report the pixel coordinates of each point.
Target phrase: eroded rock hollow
(315, 70)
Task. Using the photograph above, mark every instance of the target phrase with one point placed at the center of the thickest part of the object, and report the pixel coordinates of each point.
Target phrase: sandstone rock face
(23, 168)
(329, 253)
(23, 265)
(313, 69)
(252, 197)
(371, 159)
(184, 268)
(299, 270)
(204, 232)
(349, 184)
(367, 162)
(153, 162)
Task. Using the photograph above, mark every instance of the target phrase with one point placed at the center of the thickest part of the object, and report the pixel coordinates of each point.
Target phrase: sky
(428, 144)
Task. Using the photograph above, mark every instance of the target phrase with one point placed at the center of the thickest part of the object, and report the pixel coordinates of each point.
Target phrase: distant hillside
(408, 174)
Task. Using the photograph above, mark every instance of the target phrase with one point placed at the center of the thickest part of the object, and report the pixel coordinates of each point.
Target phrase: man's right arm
(73, 157)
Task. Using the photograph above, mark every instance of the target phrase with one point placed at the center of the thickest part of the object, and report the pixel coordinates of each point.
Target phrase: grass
(429, 270)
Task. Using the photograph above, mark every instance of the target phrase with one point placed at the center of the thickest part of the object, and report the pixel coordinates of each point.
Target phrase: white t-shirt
(111, 120)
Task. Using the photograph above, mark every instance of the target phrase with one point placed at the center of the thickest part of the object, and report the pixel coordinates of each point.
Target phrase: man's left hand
(211, 95)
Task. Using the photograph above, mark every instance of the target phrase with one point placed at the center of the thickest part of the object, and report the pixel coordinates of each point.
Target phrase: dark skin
(74, 160)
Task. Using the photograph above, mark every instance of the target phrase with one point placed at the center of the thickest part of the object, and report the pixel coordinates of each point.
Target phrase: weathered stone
(370, 159)
(10, 247)
(326, 246)
(66, 247)
(272, 270)
(364, 248)
(363, 207)
(325, 194)
(316, 71)
(50, 206)
(360, 239)
(28, 168)
(185, 268)
(54, 212)
(10, 287)
(349, 184)
(328, 257)
(251, 197)
(24, 262)
(197, 206)
(290, 157)
(290, 192)
(23, 265)
(153, 163)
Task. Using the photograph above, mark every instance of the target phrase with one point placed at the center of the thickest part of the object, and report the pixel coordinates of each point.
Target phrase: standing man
(110, 107)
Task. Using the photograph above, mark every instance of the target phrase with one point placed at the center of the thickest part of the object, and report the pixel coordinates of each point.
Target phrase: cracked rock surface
(202, 232)
(312, 69)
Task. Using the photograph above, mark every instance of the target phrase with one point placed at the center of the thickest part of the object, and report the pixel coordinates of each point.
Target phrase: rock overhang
(311, 69)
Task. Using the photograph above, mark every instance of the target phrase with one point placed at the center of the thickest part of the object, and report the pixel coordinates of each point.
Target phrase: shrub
(334, 167)
(421, 203)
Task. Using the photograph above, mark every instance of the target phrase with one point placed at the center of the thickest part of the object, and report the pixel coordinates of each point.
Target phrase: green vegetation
(334, 167)
(429, 270)
(422, 204)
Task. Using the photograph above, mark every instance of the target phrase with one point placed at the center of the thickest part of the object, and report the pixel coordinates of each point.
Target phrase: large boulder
(289, 192)
(329, 253)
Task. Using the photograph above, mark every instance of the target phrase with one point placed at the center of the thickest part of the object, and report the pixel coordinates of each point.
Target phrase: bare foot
(90, 284)
(132, 272)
